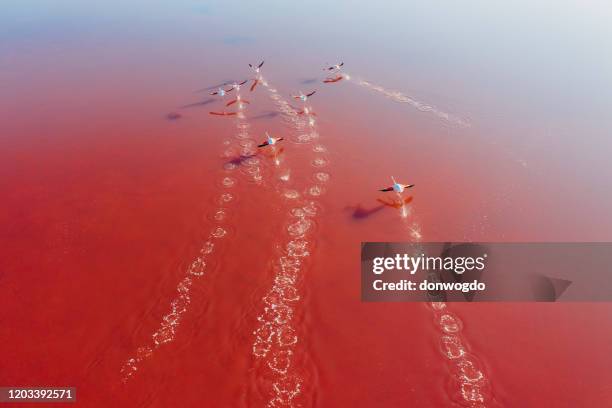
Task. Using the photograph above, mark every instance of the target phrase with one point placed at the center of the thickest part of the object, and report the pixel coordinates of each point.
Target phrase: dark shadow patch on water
(266, 115)
(308, 81)
(359, 212)
(219, 85)
(196, 104)
(239, 160)
(173, 116)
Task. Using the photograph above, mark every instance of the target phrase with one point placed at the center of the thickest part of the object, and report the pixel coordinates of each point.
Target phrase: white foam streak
(166, 332)
(179, 305)
(398, 96)
(277, 336)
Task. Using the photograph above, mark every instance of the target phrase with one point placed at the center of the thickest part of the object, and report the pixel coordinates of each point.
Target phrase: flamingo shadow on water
(309, 81)
(200, 103)
(210, 88)
(172, 116)
(359, 212)
(275, 154)
(240, 159)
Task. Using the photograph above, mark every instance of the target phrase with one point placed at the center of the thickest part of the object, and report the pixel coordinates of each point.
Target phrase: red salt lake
(114, 173)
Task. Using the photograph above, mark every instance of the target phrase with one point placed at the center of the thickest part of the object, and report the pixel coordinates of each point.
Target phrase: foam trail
(166, 331)
(288, 113)
(281, 368)
(400, 97)
(179, 305)
(248, 146)
(277, 334)
(471, 386)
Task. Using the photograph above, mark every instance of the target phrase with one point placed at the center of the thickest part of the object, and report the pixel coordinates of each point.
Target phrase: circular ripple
(280, 361)
(316, 191)
(322, 177)
(298, 212)
(286, 336)
(320, 162)
(319, 148)
(450, 323)
(219, 215)
(291, 194)
(469, 369)
(207, 248)
(452, 347)
(230, 166)
(197, 267)
(251, 161)
(473, 394)
(225, 198)
(218, 232)
(299, 228)
(228, 182)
